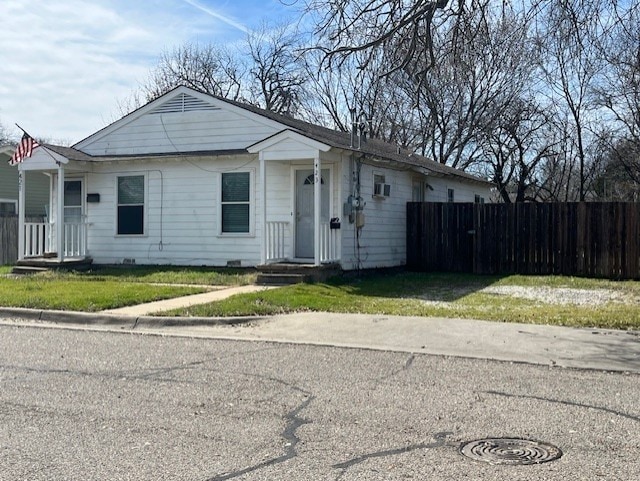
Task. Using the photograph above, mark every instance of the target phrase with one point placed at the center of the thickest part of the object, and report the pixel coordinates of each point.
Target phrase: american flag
(24, 149)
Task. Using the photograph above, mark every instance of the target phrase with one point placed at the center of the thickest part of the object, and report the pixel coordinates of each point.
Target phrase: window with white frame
(479, 199)
(8, 207)
(131, 205)
(235, 202)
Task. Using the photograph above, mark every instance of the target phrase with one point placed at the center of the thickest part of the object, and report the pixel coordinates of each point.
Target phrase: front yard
(544, 299)
(110, 288)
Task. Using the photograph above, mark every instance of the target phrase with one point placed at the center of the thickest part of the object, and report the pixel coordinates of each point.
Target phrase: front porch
(300, 221)
(61, 240)
(277, 244)
(38, 248)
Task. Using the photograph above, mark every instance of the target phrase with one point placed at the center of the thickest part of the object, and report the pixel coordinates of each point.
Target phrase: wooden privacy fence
(593, 239)
(8, 239)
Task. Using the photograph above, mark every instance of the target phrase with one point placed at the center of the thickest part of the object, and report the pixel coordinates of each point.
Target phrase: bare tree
(4, 135)
(350, 97)
(568, 42)
(619, 95)
(208, 68)
(277, 74)
(483, 68)
(514, 146)
(401, 27)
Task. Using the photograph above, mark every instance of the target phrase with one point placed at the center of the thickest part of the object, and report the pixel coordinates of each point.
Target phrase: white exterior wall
(463, 192)
(382, 240)
(182, 216)
(181, 132)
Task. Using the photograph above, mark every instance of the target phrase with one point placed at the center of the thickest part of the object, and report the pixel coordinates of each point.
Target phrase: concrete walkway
(600, 349)
(218, 294)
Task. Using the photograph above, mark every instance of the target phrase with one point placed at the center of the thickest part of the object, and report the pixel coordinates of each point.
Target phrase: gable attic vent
(183, 103)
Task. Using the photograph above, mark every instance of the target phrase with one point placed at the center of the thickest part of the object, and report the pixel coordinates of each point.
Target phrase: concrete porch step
(32, 265)
(285, 273)
(280, 279)
(26, 270)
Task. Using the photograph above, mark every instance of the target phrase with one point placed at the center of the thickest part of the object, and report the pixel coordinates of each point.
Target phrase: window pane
(131, 190)
(131, 219)
(7, 208)
(235, 218)
(235, 187)
(72, 193)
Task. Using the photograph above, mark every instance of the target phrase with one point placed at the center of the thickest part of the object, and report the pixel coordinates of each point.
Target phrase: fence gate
(594, 239)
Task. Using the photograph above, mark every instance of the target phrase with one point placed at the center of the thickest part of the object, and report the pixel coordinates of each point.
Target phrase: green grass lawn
(443, 295)
(109, 288)
(412, 294)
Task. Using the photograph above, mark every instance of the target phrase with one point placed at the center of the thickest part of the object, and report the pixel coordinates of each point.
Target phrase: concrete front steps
(287, 273)
(33, 265)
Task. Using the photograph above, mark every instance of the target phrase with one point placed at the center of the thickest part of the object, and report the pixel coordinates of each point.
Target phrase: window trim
(451, 195)
(11, 201)
(145, 206)
(251, 202)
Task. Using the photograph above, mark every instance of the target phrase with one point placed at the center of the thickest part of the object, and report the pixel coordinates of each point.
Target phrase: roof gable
(182, 120)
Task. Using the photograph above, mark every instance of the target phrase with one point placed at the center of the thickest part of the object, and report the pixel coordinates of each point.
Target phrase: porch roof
(79, 156)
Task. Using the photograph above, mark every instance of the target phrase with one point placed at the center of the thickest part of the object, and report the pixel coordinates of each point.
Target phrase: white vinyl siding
(182, 215)
(162, 129)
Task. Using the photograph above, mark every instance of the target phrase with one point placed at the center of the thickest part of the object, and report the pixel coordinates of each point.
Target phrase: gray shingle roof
(372, 147)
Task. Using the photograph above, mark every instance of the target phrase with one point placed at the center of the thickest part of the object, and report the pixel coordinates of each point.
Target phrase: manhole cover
(510, 451)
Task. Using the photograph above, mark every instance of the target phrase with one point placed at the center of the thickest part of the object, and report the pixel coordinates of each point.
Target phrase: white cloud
(65, 64)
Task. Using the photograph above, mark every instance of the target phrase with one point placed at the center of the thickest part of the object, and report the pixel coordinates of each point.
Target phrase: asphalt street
(83, 405)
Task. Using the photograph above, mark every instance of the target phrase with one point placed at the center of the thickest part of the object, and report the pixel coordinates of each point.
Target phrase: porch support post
(21, 210)
(317, 190)
(263, 209)
(60, 215)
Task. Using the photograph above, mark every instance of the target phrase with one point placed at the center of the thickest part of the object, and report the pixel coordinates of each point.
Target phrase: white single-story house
(193, 179)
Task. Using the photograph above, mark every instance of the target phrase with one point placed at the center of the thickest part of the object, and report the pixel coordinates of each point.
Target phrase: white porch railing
(329, 241)
(75, 239)
(37, 238)
(40, 238)
(277, 233)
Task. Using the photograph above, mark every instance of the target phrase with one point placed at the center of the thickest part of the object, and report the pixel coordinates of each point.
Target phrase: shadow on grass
(438, 287)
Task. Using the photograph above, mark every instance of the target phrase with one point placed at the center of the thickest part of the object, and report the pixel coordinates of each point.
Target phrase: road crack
(440, 439)
(566, 403)
(294, 422)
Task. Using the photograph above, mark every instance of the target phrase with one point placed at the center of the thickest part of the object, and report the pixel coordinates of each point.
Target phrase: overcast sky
(66, 63)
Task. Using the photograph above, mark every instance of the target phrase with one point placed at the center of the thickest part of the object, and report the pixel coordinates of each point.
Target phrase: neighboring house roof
(341, 140)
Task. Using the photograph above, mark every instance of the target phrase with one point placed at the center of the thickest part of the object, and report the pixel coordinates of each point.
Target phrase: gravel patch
(559, 295)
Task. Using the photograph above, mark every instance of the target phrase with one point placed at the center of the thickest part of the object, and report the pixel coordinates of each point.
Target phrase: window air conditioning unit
(381, 190)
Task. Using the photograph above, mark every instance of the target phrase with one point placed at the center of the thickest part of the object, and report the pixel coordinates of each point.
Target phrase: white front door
(305, 211)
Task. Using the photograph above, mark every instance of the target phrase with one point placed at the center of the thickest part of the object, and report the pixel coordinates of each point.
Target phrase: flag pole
(41, 145)
(23, 130)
